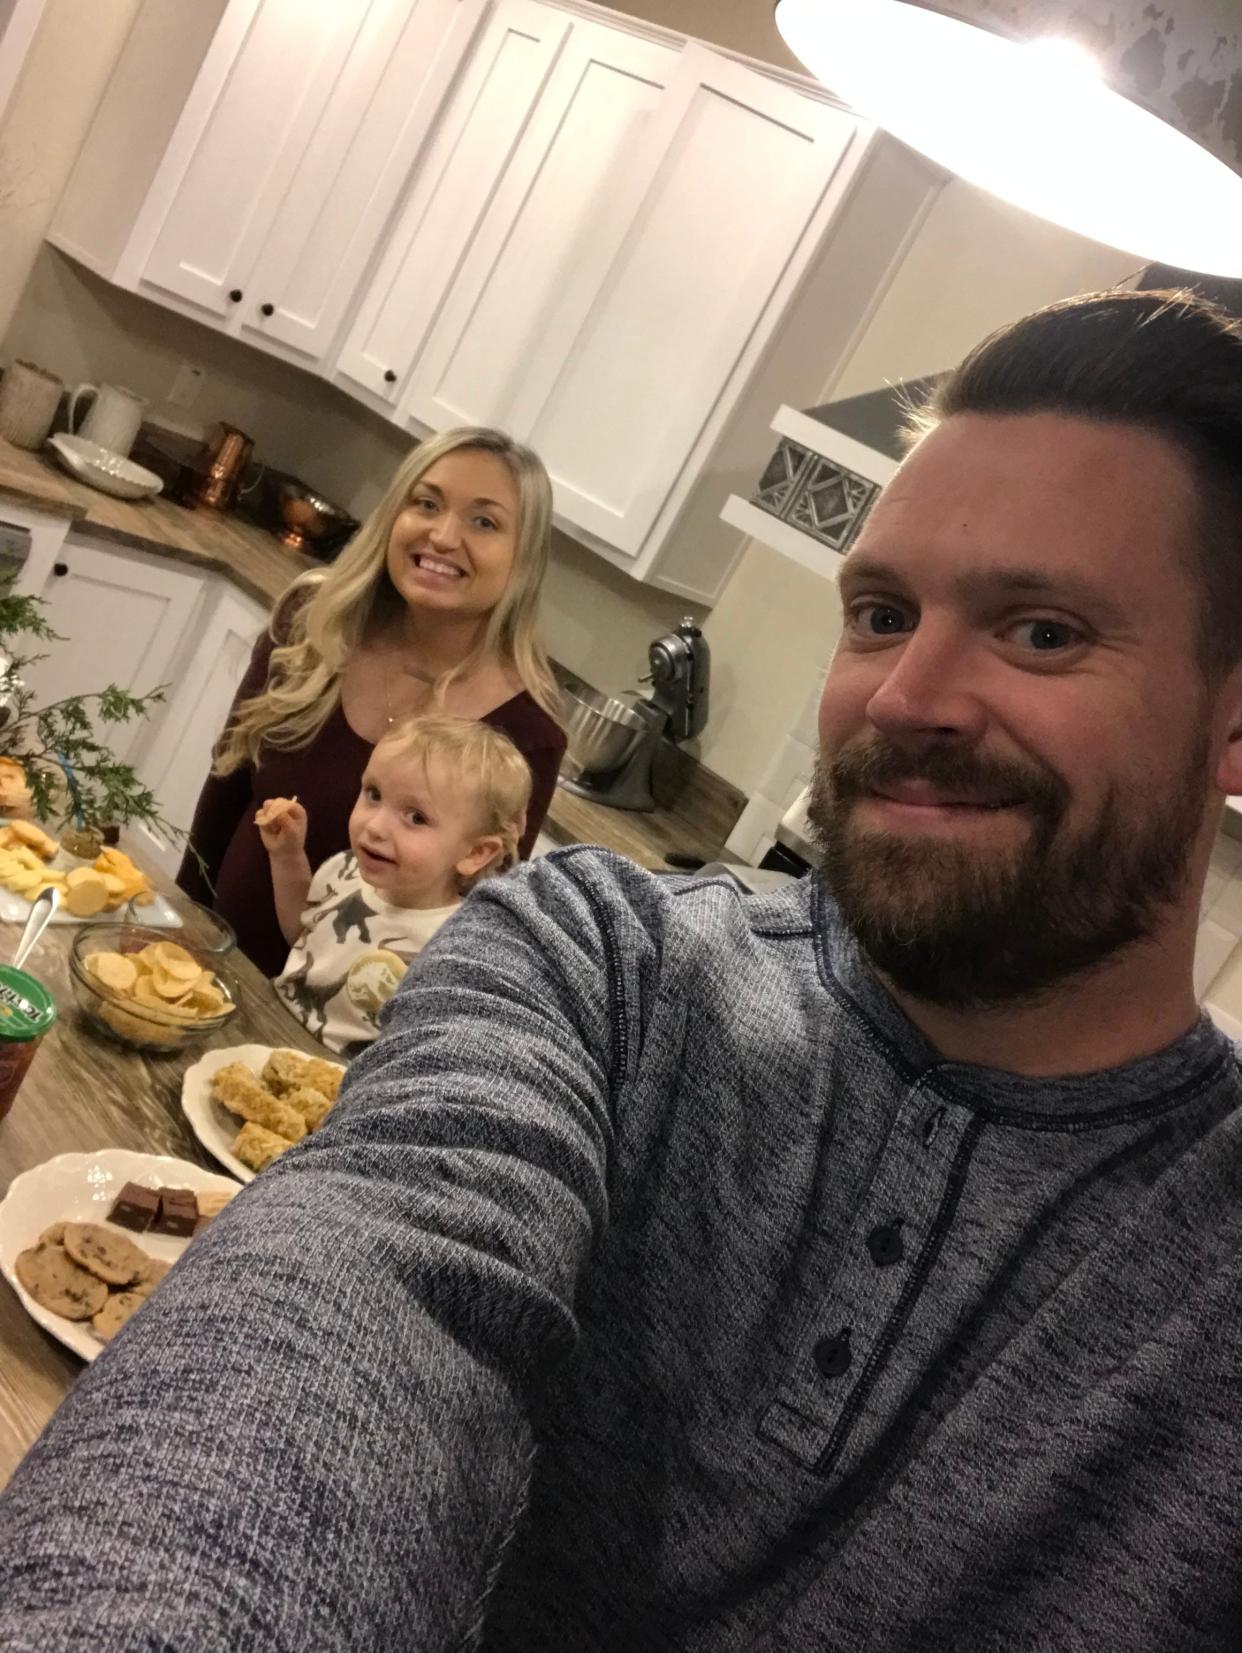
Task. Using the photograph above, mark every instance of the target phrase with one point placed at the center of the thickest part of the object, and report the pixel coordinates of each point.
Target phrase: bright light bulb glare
(1033, 123)
(1063, 59)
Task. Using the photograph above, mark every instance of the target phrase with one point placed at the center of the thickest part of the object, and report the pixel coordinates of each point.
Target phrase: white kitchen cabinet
(175, 761)
(542, 247)
(692, 273)
(457, 178)
(122, 617)
(289, 152)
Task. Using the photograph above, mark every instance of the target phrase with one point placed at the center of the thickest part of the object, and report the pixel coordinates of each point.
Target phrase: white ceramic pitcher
(114, 418)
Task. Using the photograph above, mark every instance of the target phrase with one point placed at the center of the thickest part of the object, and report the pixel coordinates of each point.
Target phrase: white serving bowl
(103, 469)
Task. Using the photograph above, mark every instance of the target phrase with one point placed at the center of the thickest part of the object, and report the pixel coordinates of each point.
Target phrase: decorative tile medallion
(815, 495)
(785, 471)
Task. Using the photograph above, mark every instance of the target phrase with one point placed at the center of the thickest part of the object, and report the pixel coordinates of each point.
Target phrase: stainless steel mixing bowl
(602, 731)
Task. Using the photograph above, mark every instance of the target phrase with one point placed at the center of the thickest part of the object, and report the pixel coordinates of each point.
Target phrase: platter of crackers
(32, 861)
(250, 1103)
(86, 1238)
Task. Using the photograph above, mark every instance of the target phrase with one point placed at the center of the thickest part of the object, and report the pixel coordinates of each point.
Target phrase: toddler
(442, 804)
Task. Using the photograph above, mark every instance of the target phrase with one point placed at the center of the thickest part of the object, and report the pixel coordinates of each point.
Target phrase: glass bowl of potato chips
(140, 988)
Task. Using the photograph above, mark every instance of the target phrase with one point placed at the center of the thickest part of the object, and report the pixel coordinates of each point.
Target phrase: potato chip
(114, 970)
(167, 987)
(175, 961)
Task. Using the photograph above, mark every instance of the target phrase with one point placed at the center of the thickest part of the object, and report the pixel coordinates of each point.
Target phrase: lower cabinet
(121, 617)
(142, 621)
(174, 760)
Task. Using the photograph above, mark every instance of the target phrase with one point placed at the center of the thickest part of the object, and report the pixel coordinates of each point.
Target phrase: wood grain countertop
(696, 811)
(251, 558)
(83, 1093)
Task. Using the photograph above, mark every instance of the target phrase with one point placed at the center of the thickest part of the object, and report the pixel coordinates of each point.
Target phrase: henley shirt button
(885, 1244)
(833, 1354)
(931, 1127)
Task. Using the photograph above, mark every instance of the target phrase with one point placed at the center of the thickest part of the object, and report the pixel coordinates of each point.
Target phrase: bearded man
(855, 1267)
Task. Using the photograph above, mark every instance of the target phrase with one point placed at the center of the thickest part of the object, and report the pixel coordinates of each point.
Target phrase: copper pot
(228, 455)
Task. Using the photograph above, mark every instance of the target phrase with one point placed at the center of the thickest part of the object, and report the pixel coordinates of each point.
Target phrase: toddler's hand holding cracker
(282, 827)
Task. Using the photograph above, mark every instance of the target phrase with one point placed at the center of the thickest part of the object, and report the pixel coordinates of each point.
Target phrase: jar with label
(26, 1013)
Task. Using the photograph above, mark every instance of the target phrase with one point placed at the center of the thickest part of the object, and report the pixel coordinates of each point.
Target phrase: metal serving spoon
(40, 917)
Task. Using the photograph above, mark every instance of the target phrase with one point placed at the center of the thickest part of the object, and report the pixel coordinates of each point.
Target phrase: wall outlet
(186, 385)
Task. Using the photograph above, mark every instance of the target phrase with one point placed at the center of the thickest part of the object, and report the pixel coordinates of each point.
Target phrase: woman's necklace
(427, 679)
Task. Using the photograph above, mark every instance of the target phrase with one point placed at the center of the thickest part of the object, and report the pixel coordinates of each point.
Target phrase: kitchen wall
(975, 263)
(69, 61)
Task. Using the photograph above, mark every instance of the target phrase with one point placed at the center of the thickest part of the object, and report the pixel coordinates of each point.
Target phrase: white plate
(159, 915)
(82, 1188)
(214, 1126)
(110, 472)
(15, 908)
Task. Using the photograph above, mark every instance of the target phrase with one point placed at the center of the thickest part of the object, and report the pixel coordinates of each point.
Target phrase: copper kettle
(228, 455)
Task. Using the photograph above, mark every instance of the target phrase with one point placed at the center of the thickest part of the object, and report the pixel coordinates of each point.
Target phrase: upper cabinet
(288, 153)
(622, 247)
(541, 250)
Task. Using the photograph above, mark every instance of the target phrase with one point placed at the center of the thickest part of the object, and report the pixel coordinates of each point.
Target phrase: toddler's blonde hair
(485, 766)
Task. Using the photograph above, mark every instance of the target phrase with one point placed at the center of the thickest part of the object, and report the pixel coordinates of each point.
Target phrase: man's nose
(931, 689)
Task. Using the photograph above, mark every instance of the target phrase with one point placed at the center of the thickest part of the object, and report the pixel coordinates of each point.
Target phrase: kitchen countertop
(82, 1093)
(251, 558)
(696, 812)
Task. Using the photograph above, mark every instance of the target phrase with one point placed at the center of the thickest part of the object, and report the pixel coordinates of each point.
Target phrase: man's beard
(971, 928)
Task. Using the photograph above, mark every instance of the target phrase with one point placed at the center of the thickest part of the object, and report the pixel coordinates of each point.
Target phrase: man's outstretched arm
(315, 1434)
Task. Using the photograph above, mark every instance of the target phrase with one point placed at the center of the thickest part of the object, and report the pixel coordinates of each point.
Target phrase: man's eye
(1045, 636)
(881, 620)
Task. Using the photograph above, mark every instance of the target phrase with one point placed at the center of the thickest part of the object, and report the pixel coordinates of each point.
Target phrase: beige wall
(65, 71)
(974, 264)
(746, 26)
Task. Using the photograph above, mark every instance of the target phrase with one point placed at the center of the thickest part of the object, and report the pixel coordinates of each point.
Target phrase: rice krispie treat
(237, 1089)
(257, 1147)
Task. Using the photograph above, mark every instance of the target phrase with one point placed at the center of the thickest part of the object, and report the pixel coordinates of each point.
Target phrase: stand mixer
(613, 744)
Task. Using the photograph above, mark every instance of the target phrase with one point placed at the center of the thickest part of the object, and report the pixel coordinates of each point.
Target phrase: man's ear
(480, 854)
(1229, 768)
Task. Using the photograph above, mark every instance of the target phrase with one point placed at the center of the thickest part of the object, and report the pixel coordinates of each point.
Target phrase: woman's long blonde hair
(329, 612)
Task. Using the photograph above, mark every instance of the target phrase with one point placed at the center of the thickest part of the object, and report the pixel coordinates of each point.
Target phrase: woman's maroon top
(325, 776)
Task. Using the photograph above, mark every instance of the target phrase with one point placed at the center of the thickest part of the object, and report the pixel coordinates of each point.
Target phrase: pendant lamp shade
(1121, 119)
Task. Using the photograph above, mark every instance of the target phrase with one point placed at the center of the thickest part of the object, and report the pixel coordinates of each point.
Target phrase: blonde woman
(432, 606)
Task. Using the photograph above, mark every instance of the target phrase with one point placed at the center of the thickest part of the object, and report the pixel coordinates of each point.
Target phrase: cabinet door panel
(175, 763)
(364, 143)
(121, 620)
(257, 99)
(456, 180)
(702, 260)
(548, 236)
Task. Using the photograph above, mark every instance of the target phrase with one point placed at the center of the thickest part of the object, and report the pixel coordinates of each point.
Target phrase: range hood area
(827, 471)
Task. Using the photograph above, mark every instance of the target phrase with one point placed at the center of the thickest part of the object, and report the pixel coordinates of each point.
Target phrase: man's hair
(1168, 361)
(491, 776)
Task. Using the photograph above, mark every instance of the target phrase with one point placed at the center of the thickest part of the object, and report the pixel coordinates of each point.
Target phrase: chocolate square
(136, 1207)
(178, 1213)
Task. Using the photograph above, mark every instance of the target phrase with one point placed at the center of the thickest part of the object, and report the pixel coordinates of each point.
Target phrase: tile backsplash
(1218, 960)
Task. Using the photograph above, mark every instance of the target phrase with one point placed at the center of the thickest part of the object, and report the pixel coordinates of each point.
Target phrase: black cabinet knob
(60, 569)
(236, 296)
(267, 309)
(390, 378)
